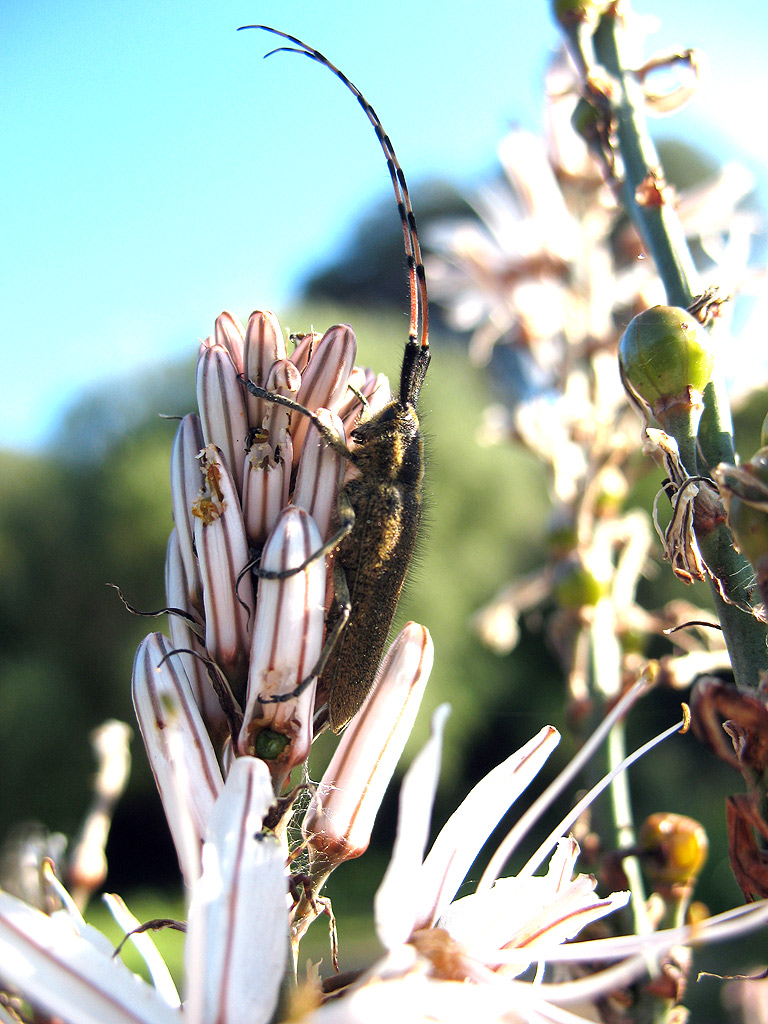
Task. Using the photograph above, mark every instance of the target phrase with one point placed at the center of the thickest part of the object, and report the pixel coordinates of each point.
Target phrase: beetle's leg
(331, 439)
(280, 574)
(360, 397)
(345, 607)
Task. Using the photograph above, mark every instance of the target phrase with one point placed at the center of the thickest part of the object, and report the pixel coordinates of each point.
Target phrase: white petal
(145, 946)
(463, 835)
(398, 896)
(180, 752)
(237, 938)
(517, 912)
(64, 975)
(400, 991)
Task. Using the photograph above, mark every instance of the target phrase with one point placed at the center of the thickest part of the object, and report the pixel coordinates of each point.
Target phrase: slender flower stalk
(87, 863)
(546, 278)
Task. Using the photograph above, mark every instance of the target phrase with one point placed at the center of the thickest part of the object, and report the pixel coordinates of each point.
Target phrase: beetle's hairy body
(383, 506)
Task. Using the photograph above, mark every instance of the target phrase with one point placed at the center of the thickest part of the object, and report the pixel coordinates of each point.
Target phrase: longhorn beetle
(380, 509)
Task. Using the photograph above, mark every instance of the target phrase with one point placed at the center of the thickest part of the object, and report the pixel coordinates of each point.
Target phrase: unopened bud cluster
(253, 484)
(255, 493)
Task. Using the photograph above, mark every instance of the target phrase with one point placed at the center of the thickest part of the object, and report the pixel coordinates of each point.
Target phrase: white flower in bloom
(67, 970)
(417, 891)
(448, 959)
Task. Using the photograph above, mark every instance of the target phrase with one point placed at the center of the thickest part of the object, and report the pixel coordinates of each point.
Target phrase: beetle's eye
(387, 414)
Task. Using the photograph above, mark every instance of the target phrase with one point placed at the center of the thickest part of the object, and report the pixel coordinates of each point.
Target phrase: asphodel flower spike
(228, 500)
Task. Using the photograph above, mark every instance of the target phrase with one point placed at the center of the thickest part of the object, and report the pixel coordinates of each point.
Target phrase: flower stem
(646, 198)
(648, 201)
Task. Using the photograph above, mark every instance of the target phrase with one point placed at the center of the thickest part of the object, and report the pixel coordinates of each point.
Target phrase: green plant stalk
(658, 223)
(680, 422)
(716, 427)
(605, 666)
(663, 237)
(745, 637)
(605, 684)
(660, 227)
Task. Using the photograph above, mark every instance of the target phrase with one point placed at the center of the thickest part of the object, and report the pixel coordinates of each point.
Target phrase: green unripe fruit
(577, 586)
(586, 121)
(270, 745)
(667, 358)
(674, 848)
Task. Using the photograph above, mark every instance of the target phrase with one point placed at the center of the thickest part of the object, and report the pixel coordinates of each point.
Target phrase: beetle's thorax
(388, 444)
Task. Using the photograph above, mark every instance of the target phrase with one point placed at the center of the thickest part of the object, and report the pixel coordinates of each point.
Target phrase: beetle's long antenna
(417, 354)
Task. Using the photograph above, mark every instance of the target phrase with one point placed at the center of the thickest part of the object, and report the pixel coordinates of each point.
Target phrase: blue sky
(155, 170)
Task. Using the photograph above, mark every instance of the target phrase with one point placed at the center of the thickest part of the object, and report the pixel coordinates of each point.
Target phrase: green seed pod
(586, 121)
(667, 358)
(577, 585)
(674, 848)
(270, 745)
(576, 12)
